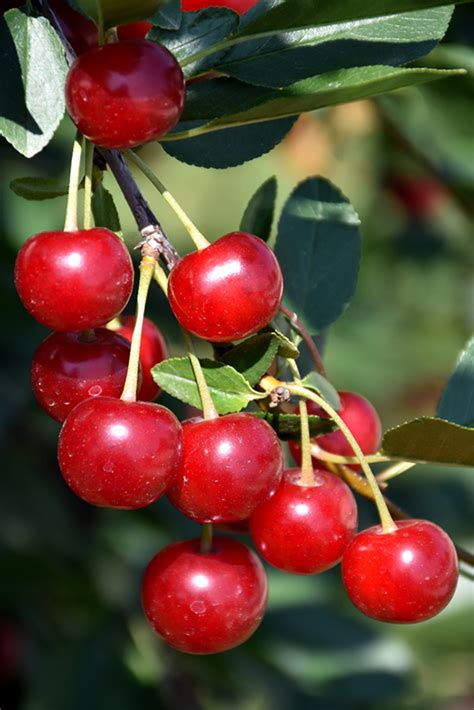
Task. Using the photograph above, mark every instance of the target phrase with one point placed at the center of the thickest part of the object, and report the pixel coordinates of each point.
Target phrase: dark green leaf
(288, 426)
(229, 148)
(104, 210)
(254, 356)
(457, 401)
(260, 211)
(431, 440)
(33, 74)
(318, 383)
(119, 12)
(169, 16)
(229, 389)
(318, 247)
(286, 347)
(39, 188)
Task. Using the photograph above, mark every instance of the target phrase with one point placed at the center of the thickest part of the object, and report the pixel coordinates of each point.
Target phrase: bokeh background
(71, 630)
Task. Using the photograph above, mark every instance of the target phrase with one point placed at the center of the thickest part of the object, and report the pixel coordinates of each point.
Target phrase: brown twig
(311, 345)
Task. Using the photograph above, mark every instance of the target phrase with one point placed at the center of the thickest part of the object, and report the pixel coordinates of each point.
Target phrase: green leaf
(104, 210)
(260, 211)
(431, 440)
(318, 383)
(457, 401)
(286, 347)
(169, 16)
(39, 188)
(33, 75)
(288, 426)
(318, 248)
(119, 12)
(229, 390)
(253, 356)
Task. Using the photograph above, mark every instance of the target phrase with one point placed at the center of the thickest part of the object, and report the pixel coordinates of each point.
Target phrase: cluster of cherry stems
(118, 449)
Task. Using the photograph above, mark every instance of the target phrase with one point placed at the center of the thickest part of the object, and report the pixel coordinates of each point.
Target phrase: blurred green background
(71, 630)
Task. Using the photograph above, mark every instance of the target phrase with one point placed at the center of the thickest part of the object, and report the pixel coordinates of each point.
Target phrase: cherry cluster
(119, 449)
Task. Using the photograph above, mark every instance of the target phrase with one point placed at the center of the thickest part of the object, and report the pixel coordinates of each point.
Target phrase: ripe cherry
(228, 290)
(205, 603)
(81, 33)
(134, 30)
(240, 6)
(305, 529)
(362, 420)
(70, 367)
(119, 454)
(404, 576)
(152, 351)
(74, 280)
(125, 94)
(229, 466)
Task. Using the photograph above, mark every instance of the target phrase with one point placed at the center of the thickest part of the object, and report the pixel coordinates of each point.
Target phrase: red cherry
(228, 290)
(134, 30)
(74, 280)
(205, 603)
(70, 367)
(404, 576)
(362, 420)
(81, 33)
(119, 454)
(125, 94)
(240, 6)
(229, 466)
(152, 351)
(305, 529)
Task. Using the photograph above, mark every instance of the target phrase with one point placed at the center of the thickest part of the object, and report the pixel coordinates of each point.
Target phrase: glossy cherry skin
(134, 30)
(305, 529)
(362, 420)
(74, 280)
(152, 351)
(401, 577)
(205, 603)
(228, 290)
(229, 466)
(239, 6)
(119, 454)
(81, 33)
(70, 367)
(124, 94)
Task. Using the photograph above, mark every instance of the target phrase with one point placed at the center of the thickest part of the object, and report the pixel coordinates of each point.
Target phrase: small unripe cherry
(119, 454)
(228, 290)
(204, 603)
(152, 351)
(404, 576)
(70, 367)
(74, 280)
(229, 466)
(305, 529)
(360, 418)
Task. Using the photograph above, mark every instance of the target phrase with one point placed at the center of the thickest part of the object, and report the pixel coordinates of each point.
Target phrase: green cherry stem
(205, 546)
(70, 223)
(88, 149)
(307, 473)
(323, 455)
(147, 268)
(385, 518)
(198, 238)
(393, 471)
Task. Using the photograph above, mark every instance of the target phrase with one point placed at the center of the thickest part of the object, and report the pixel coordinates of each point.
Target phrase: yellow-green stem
(385, 518)
(161, 278)
(198, 238)
(208, 407)
(147, 268)
(394, 471)
(307, 473)
(323, 455)
(88, 149)
(70, 223)
(205, 546)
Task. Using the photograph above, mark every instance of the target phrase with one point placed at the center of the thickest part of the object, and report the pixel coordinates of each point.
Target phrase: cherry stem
(147, 268)
(323, 455)
(307, 473)
(297, 325)
(205, 546)
(70, 223)
(198, 238)
(385, 518)
(208, 407)
(394, 471)
(88, 149)
(161, 279)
